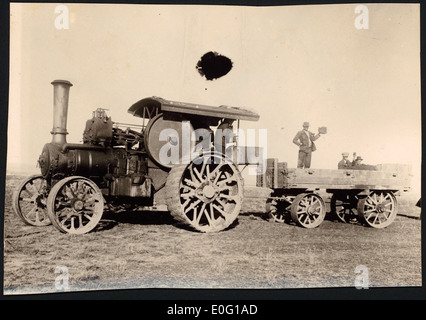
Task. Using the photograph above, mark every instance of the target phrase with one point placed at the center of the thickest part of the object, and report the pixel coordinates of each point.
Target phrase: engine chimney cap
(61, 82)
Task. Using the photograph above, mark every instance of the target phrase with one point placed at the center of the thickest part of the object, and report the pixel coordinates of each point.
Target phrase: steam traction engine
(153, 164)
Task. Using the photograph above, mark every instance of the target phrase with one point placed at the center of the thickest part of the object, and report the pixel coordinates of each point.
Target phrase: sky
(290, 64)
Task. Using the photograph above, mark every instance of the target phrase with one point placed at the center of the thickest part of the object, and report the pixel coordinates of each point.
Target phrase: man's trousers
(304, 160)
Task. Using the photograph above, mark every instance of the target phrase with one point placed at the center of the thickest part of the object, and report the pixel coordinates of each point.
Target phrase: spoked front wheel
(75, 205)
(308, 210)
(29, 201)
(378, 209)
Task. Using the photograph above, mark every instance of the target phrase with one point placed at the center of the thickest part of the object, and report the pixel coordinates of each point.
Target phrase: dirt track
(148, 250)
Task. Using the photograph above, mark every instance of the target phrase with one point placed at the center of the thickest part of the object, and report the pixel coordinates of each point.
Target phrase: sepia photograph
(213, 147)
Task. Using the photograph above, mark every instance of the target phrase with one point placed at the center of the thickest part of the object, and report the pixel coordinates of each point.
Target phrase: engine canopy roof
(151, 106)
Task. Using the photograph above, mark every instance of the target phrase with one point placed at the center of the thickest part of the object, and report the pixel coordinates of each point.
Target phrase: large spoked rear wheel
(75, 205)
(378, 209)
(207, 194)
(308, 210)
(29, 201)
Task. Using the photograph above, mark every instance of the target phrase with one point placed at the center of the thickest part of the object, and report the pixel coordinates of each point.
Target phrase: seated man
(344, 163)
(358, 165)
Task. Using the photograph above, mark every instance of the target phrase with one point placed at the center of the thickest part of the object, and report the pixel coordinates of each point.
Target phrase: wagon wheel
(344, 208)
(308, 210)
(278, 209)
(75, 205)
(273, 212)
(378, 209)
(29, 201)
(207, 194)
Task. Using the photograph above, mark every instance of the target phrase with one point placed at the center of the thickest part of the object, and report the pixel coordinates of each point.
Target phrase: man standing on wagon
(304, 139)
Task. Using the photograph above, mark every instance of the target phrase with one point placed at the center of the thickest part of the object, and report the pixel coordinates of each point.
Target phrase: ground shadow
(139, 217)
(330, 216)
(105, 224)
(110, 219)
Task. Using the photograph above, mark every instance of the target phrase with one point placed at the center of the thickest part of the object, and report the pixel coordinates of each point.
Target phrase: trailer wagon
(367, 196)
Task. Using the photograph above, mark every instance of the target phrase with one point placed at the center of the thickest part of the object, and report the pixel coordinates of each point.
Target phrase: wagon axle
(380, 208)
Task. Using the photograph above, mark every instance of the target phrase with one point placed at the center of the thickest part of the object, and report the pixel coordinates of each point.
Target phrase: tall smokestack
(61, 89)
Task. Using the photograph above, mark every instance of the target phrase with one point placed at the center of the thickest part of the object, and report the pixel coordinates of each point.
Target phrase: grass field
(148, 250)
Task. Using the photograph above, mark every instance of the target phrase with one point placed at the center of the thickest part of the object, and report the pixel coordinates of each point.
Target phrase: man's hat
(359, 158)
(345, 154)
(306, 124)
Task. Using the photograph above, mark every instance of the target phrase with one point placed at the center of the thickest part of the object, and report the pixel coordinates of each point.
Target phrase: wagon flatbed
(368, 196)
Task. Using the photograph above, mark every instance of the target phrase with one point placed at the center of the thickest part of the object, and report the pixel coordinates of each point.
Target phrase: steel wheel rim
(308, 210)
(211, 193)
(76, 205)
(378, 209)
(30, 201)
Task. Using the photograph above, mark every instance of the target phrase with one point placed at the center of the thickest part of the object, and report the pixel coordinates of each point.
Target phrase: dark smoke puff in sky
(212, 65)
